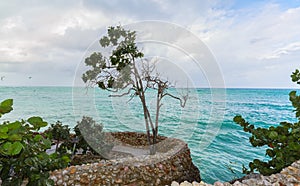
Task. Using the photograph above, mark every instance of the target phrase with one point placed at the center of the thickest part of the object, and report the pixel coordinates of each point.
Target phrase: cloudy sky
(255, 43)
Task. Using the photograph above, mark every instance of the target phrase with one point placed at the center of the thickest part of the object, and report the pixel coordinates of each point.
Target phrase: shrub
(23, 151)
(60, 133)
(91, 137)
(283, 140)
(88, 137)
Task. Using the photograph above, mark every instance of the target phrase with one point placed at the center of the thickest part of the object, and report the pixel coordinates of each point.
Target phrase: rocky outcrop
(289, 176)
(171, 162)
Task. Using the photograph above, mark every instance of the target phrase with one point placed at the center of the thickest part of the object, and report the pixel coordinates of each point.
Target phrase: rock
(84, 178)
(64, 172)
(66, 178)
(291, 179)
(202, 183)
(276, 184)
(72, 170)
(174, 183)
(97, 181)
(172, 162)
(118, 181)
(158, 182)
(51, 177)
(218, 184)
(249, 182)
(185, 183)
(194, 183)
(237, 183)
(59, 182)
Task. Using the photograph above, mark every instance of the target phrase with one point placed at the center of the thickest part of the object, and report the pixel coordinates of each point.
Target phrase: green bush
(283, 140)
(23, 151)
(88, 130)
(59, 133)
(85, 130)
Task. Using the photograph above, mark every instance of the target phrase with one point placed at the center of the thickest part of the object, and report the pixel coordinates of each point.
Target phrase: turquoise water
(206, 123)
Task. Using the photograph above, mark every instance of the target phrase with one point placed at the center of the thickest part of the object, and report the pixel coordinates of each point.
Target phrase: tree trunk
(57, 143)
(147, 124)
(155, 130)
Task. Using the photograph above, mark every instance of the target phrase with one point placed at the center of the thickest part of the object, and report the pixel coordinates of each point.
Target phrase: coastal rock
(218, 184)
(174, 183)
(172, 162)
(185, 183)
(289, 176)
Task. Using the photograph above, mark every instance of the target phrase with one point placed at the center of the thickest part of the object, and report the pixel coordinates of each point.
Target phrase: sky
(255, 43)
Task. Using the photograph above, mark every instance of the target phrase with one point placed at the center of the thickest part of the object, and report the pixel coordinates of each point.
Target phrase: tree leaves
(273, 135)
(296, 76)
(283, 140)
(101, 85)
(6, 106)
(11, 149)
(3, 132)
(111, 73)
(37, 122)
(295, 102)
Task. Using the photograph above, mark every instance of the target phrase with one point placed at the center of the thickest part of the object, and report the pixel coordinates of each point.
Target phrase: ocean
(219, 147)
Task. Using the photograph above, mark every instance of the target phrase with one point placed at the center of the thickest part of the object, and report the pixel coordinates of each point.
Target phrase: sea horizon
(67, 86)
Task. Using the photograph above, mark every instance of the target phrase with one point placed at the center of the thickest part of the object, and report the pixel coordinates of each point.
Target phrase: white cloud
(81, 18)
(11, 23)
(286, 50)
(245, 40)
(242, 39)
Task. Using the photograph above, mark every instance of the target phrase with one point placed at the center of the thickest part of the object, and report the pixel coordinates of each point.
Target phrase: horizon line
(67, 86)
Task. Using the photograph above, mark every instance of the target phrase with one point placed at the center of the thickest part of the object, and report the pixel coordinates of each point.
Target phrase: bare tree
(127, 69)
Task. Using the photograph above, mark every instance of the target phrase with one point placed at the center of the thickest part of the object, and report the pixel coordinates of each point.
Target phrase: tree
(283, 140)
(127, 70)
(59, 132)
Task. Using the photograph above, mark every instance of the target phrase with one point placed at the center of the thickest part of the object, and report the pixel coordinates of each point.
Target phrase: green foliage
(37, 123)
(23, 151)
(59, 133)
(6, 106)
(283, 140)
(296, 76)
(295, 102)
(93, 133)
(113, 72)
(74, 142)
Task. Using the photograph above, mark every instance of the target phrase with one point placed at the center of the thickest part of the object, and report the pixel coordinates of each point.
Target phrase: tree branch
(120, 95)
(182, 101)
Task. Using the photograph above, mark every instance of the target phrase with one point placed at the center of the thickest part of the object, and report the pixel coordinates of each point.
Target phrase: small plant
(60, 133)
(283, 140)
(23, 151)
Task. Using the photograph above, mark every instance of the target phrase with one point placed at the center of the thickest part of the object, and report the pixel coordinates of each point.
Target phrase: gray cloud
(49, 39)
